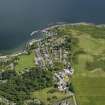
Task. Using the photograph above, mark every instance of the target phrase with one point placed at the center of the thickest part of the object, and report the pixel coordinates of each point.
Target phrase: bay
(18, 18)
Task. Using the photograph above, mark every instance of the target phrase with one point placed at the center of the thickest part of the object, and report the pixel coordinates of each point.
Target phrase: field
(90, 90)
(49, 95)
(25, 61)
(89, 80)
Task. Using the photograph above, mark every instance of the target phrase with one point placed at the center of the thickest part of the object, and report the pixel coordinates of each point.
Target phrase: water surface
(18, 18)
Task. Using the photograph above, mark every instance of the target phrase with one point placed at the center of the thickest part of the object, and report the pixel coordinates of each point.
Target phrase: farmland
(50, 95)
(89, 77)
(90, 90)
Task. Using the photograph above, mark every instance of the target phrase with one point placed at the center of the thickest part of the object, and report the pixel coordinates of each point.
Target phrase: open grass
(89, 44)
(49, 97)
(89, 86)
(25, 61)
(90, 90)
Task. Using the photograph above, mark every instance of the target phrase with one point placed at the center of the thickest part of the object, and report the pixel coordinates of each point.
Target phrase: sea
(19, 18)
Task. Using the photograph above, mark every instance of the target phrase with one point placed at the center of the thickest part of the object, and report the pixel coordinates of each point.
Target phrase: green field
(25, 61)
(94, 89)
(90, 90)
(49, 95)
(89, 84)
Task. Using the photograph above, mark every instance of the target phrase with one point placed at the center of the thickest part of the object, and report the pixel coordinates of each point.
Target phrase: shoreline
(20, 50)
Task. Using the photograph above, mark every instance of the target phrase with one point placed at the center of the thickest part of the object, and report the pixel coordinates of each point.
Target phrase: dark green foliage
(18, 88)
(67, 44)
(52, 90)
(1, 103)
(48, 99)
(96, 64)
(54, 97)
(90, 66)
(71, 88)
(8, 74)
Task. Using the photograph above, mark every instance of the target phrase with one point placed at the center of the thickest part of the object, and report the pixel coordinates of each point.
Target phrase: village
(48, 53)
(45, 69)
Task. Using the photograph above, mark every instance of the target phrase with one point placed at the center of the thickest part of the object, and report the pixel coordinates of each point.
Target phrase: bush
(18, 88)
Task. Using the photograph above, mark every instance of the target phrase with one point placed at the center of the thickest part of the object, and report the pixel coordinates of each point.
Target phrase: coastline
(20, 49)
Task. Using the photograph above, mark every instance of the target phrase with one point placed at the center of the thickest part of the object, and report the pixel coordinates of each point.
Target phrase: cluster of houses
(42, 57)
(49, 52)
(45, 56)
(64, 102)
(63, 78)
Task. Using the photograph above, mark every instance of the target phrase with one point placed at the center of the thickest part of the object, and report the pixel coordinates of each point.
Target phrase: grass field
(49, 97)
(25, 61)
(90, 90)
(89, 86)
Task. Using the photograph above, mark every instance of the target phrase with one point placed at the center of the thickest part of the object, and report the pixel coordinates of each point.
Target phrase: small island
(65, 67)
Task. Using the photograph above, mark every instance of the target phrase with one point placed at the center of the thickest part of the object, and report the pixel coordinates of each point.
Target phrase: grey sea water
(18, 18)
